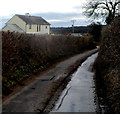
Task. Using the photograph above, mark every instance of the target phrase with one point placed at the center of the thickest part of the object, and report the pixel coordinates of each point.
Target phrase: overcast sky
(57, 12)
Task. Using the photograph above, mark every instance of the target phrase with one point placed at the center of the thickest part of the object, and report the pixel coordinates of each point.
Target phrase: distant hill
(67, 30)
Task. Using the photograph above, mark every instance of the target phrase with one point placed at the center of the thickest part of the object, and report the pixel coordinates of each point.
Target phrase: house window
(39, 28)
(46, 27)
(30, 26)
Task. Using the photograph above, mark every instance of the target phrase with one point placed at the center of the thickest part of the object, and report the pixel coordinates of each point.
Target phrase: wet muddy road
(30, 98)
(79, 95)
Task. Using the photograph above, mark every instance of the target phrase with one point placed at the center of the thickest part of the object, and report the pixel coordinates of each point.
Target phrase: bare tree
(105, 9)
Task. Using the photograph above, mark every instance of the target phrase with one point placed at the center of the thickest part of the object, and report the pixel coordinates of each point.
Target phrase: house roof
(33, 19)
(14, 27)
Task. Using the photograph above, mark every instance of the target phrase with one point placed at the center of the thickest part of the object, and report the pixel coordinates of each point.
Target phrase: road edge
(61, 81)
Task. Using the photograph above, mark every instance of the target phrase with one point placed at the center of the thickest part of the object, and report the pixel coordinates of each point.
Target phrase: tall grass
(26, 54)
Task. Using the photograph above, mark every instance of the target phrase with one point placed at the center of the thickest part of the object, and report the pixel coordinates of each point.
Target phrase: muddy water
(79, 95)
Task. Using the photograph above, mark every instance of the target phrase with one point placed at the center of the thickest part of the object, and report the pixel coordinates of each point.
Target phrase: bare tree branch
(107, 9)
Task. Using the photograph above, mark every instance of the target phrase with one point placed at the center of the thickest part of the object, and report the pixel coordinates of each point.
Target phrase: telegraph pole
(73, 22)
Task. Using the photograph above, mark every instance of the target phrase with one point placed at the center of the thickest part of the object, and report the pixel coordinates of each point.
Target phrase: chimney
(27, 14)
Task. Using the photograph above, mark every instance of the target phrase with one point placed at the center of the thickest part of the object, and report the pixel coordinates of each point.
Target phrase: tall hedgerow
(108, 64)
(26, 54)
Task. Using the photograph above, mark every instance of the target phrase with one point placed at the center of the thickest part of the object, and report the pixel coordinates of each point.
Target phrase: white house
(27, 24)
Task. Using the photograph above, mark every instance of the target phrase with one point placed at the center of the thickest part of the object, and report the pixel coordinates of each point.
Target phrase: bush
(95, 30)
(108, 64)
(26, 54)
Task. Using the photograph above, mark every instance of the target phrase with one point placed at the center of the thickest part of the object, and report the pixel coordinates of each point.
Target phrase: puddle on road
(79, 95)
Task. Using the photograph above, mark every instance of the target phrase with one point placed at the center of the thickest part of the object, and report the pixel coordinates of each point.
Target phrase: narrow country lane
(32, 95)
(79, 95)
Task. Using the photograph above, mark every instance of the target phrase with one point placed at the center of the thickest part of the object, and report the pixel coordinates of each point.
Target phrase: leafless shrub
(108, 64)
(25, 54)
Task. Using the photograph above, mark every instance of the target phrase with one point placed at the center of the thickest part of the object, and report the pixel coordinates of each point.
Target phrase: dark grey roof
(33, 19)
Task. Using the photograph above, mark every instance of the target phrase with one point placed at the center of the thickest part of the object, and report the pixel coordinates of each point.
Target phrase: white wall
(6, 28)
(43, 29)
(16, 20)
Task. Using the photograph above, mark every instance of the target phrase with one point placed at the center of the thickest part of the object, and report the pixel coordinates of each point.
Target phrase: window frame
(37, 28)
(30, 26)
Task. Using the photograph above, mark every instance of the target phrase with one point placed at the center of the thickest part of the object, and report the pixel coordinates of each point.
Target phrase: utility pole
(73, 22)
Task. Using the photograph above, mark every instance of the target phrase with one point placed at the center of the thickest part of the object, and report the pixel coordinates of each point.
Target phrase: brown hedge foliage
(26, 54)
(108, 64)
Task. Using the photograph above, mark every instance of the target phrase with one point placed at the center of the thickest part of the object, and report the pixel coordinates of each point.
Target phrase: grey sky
(57, 12)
